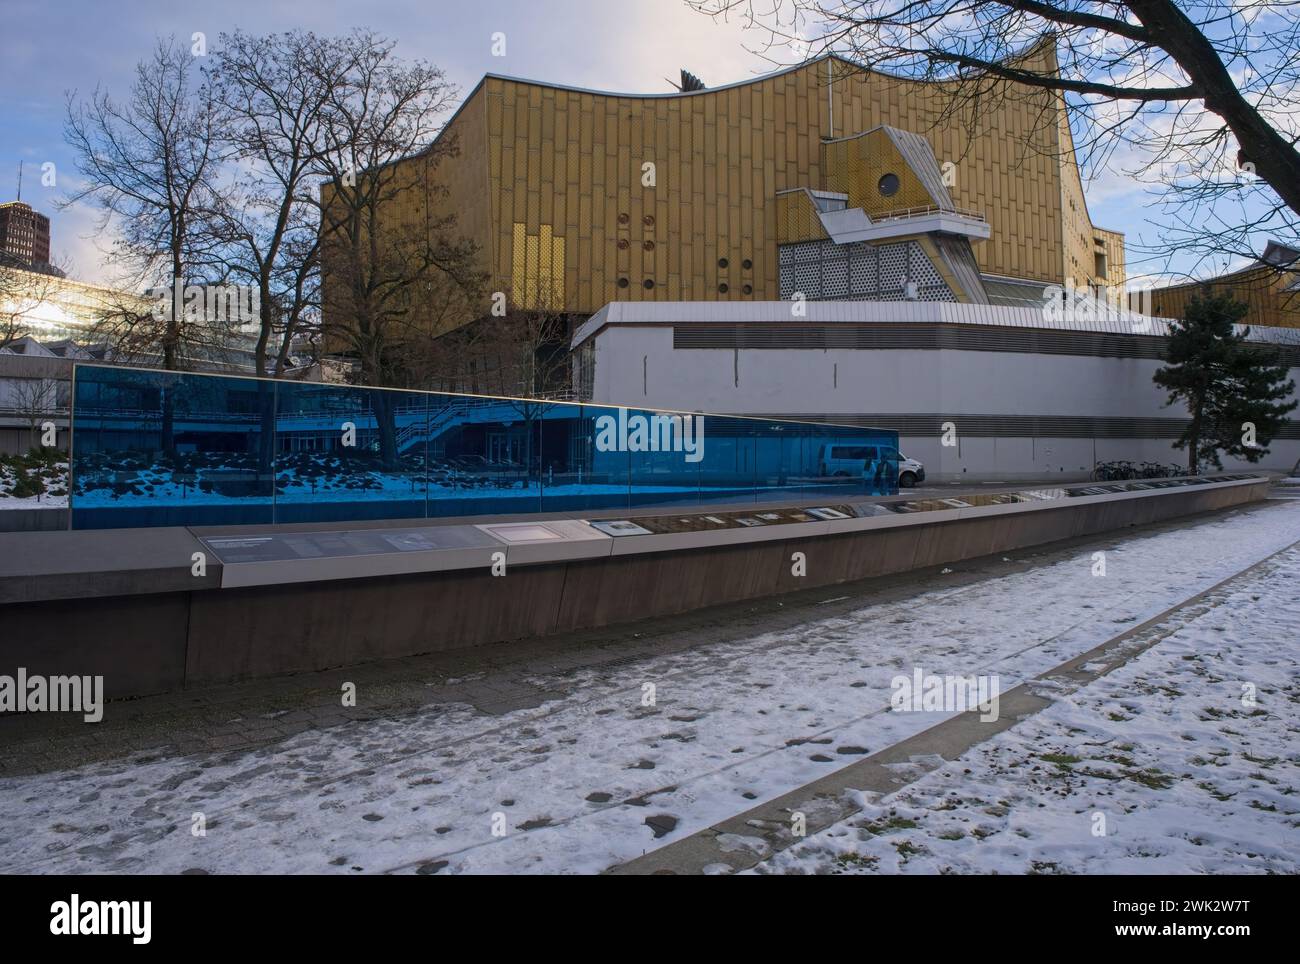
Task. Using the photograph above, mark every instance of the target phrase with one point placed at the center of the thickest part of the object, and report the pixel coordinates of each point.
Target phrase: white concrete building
(1025, 395)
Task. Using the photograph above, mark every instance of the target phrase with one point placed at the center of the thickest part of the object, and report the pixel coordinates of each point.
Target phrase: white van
(910, 471)
(851, 459)
(844, 460)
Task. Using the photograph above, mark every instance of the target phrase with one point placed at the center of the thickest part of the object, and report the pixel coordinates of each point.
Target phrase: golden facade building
(578, 198)
(1270, 289)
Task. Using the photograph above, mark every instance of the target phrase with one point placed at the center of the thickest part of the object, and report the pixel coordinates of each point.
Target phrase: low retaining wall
(33, 520)
(159, 641)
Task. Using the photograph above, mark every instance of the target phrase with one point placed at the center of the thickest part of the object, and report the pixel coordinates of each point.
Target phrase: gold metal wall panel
(797, 218)
(1262, 289)
(720, 158)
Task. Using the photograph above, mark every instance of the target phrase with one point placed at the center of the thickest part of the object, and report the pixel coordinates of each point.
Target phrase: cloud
(633, 46)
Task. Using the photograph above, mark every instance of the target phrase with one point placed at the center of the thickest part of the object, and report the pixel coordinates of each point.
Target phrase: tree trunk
(266, 437)
(528, 450)
(1275, 159)
(386, 424)
(168, 435)
(265, 321)
(171, 356)
(1194, 440)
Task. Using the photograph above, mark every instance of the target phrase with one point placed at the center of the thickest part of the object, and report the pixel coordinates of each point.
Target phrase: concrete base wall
(137, 643)
(33, 520)
(146, 644)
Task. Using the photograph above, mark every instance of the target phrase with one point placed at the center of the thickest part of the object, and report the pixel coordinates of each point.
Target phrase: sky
(48, 50)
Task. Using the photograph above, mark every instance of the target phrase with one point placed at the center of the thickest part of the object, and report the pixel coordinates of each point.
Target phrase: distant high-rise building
(24, 236)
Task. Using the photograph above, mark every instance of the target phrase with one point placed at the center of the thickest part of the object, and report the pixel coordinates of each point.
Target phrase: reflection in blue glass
(349, 453)
(485, 455)
(162, 448)
(574, 472)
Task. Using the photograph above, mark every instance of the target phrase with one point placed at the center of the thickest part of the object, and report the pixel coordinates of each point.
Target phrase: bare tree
(387, 268)
(21, 292)
(139, 330)
(37, 399)
(1197, 97)
(149, 164)
(274, 91)
(523, 355)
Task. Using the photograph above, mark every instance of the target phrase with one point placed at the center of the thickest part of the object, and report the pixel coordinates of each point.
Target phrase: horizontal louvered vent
(953, 337)
(1022, 426)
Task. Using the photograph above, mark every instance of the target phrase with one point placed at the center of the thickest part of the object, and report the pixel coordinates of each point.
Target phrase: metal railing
(427, 428)
(57, 411)
(898, 214)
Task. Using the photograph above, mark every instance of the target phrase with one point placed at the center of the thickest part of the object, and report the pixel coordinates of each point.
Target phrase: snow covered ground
(583, 782)
(1166, 766)
(55, 478)
(45, 501)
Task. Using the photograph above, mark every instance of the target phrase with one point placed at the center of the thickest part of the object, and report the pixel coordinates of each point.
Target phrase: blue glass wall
(156, 448)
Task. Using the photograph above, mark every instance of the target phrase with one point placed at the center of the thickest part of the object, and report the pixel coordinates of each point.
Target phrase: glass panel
(349, 453)
(728, 469)
(778, 447)
(484, 455)
(666, 457)
(161, 449)
(577, 472)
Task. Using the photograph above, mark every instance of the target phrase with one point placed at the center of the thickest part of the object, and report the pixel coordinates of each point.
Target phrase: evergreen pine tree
(1235, 391)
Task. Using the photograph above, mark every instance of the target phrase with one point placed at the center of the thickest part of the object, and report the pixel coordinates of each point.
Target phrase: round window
(888, 185)
(648, 283)
(622, 282)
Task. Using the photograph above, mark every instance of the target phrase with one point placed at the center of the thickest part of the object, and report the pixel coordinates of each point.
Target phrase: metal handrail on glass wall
(152, 448)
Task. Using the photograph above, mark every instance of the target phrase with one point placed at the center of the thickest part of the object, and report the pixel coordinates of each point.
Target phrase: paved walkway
(754, 699)
(495, 680)
(753, 837)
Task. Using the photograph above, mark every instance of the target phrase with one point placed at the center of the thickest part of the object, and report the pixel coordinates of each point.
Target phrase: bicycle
(1108, 472)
